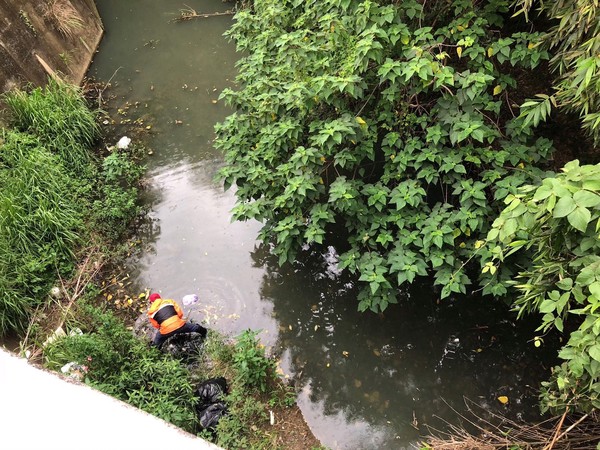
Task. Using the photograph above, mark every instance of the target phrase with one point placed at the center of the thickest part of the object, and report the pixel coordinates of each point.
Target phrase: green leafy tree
(392, 120)
(574, 38)
(551, 230)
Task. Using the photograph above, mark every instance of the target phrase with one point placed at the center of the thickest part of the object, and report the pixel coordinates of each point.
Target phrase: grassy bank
(68, 204)
(59, 196)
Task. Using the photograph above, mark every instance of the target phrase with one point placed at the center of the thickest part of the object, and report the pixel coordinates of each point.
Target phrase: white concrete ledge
(41, 410)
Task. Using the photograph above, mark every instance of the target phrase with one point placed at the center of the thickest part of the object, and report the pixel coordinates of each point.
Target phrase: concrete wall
(40, 37)
(40, 410)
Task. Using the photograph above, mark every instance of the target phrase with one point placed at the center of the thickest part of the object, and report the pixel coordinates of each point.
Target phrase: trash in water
(190, 299)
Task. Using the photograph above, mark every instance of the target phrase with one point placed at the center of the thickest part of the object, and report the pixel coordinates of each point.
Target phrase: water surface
(365, 381)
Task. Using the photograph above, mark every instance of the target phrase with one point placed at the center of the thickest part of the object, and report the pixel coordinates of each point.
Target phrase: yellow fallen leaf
(490, 52)
(497, 90)
(459, 51)
(109, 298)
(503, 399)
(345, 353)
(142, 295)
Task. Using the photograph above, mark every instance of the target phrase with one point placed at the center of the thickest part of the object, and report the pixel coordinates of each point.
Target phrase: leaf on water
(345, 353)
(503, 399)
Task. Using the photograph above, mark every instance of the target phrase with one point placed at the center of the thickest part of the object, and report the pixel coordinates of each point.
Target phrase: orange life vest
(165, 315)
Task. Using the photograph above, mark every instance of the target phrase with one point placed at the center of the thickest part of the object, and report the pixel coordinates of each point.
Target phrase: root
(568, 431)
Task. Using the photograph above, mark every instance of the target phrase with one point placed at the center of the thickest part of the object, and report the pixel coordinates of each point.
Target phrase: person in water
(167, 317)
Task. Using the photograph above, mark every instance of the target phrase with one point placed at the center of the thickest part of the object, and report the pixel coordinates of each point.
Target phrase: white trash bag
(123, 142)
(190, 299)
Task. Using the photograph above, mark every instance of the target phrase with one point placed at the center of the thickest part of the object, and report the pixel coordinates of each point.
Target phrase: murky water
(366, 381)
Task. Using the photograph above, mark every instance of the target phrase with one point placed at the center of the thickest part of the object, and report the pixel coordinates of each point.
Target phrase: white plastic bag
(123, 142)
(190, 299)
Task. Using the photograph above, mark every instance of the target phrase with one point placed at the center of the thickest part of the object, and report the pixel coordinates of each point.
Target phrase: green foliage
(574, 39)
(551, 230)
(253, 391)
(118, 203)
(253, 369)
(40, 221)
(388, 118)
(58, 115)
(53, 196)
(123, 366)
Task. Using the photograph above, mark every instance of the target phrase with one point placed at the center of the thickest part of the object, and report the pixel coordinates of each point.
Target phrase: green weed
(58, 115)
(254, 369)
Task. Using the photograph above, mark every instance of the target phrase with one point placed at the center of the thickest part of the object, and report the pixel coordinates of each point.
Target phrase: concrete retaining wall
(40, 410)
(42, 37)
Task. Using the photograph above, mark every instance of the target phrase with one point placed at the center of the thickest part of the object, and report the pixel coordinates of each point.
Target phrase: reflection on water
(366, 381)
(381, 379)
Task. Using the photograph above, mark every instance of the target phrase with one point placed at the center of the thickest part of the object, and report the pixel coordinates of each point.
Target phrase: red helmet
(153, 297)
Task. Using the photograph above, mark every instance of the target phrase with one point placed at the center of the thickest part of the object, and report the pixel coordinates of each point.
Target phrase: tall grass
(39, 222)
(59, 116)
(54, 194)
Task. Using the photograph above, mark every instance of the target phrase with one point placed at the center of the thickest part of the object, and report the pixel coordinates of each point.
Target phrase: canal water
(365, 381)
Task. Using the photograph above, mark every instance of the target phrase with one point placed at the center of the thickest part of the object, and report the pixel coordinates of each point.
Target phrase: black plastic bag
(211, 405)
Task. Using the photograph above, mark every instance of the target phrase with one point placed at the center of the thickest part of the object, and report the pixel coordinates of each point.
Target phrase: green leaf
(594, 352)
(564, 206)
(565, 284)
(547, 306)
(579, 218)
(542, 192)
(586, 199)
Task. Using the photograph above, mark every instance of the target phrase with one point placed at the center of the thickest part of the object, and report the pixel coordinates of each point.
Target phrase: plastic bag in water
(190, 299)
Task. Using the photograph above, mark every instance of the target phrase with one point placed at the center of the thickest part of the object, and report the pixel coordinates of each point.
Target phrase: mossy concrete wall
(43, 37)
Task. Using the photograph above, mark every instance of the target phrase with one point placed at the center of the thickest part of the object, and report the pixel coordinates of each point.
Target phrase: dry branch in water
(565, 432)
(190, 13)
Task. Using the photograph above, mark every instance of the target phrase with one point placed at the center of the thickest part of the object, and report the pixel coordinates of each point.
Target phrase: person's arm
(154, 323)
(178, 310)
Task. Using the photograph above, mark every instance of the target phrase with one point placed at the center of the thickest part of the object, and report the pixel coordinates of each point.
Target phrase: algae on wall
(38, 38)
